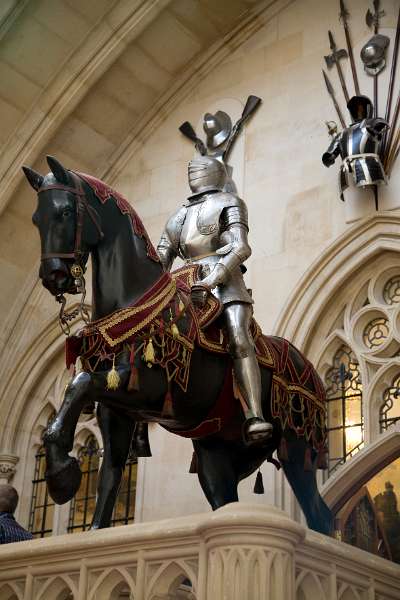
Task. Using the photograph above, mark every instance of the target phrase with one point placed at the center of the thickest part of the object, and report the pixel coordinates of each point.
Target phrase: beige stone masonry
(240, 552)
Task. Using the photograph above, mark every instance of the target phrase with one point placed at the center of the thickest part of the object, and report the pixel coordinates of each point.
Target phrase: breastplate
(358, 140)
(194, 242)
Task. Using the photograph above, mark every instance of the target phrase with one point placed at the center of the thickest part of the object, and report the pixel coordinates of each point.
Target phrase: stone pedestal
(249, 554)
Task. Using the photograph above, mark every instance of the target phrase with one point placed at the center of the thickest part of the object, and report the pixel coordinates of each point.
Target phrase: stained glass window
(344, 397)
(42, 507)
(389, 412)
(84, 502)
(371, 518)
(376, 333)
(391, 290)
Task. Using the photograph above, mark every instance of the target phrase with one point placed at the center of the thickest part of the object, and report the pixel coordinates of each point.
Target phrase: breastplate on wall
(357, 140)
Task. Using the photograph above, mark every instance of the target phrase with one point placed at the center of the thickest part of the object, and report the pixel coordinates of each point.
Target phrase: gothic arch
(369, 461)
(57, 588)
(109, 583)
(328, 275)
(168, 576)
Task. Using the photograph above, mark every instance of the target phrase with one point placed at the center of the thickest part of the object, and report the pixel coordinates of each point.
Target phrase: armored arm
(329, 157)
(376, 127)
(166, 251)
(234, 224)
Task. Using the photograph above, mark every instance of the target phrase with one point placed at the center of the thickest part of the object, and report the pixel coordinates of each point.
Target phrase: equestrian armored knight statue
(358, 147)
(211, 229)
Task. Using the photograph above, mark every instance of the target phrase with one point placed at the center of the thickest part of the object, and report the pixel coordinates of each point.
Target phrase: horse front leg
(63, 474)
(117, 431)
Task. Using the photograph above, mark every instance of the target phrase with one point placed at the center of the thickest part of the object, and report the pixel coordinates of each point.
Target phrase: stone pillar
(250, 553)
(7, 467)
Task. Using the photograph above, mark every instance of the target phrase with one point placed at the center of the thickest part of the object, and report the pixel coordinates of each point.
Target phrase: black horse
(73, 223)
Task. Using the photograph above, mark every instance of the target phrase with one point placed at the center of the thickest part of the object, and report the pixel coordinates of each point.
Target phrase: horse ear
(57, 169)
(34, 178)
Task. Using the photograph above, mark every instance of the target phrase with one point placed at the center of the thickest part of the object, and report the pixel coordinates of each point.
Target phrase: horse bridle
(78, 268)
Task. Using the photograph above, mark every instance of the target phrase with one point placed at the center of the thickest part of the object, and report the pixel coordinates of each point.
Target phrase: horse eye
(66, 212)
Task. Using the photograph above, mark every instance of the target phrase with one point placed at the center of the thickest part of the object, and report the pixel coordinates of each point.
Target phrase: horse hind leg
(304, 486)
(117, 431)
(216, 472)
(63, 474)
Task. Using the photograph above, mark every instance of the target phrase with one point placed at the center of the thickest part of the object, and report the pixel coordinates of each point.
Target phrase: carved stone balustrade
(240, 552)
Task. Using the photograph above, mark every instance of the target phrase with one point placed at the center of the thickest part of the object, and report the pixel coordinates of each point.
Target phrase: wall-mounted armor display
(358, 146)
(370, 145)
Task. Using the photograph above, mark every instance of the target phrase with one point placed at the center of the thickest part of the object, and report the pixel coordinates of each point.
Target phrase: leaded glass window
(124, 511)
(389, 412)
(42, 507)
(344, 398)
(84, 502)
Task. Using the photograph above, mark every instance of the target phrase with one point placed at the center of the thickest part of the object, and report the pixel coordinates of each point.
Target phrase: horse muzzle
(56, 276)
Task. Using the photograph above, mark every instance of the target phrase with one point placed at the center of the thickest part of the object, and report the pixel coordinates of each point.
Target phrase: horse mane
(104, 192)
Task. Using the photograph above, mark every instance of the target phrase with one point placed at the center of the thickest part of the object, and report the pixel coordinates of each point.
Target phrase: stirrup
(257, 431)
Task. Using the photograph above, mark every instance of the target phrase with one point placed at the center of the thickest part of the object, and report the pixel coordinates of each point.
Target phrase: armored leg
(247, 371)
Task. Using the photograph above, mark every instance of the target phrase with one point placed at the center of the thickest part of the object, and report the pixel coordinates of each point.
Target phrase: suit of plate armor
(211, 229)
(358, 147)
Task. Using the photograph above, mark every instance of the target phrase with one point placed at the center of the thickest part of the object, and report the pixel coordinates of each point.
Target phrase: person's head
(206, 173)
(8, 498)
(360, 107)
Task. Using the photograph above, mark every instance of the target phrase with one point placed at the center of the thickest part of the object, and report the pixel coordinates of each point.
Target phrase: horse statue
(149, 355)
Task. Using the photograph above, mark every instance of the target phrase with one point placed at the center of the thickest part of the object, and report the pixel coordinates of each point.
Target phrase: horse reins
(77, 269)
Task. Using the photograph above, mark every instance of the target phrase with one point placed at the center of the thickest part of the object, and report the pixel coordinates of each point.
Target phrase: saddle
(162, 329)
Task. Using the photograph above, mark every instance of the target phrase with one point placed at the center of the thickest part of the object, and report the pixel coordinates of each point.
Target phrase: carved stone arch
(374, 397)
(348, 593)
(334, 269)
(84, 432)
(60, 587)
(170, 576)
(308, 586)
(329, 347)
(370, 460)
(110, 582)
(8, 591)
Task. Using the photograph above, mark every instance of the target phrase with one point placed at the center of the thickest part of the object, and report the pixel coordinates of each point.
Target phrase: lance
(331, 92)
(372, 19)
(391, 86)
(343, 17)
(333, 59)
(252, 103)
(188, 131)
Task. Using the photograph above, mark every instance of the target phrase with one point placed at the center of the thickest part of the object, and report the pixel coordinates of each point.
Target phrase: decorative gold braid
(160, 302)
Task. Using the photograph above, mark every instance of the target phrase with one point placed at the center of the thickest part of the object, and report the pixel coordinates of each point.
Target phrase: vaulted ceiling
(82, 80)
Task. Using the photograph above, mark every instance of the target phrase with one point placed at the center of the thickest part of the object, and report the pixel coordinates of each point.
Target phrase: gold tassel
(113, 378)
(149, 354)
(174, 330)
(181, 306)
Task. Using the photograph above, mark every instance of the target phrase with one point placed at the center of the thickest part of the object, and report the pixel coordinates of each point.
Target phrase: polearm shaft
(343, 16)
(372, 19)
(334, 58)
(331, 92)
(392, 129)
(391, 86)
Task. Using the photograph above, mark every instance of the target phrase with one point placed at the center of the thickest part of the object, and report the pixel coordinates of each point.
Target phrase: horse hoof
(64, 484)
(257, 431)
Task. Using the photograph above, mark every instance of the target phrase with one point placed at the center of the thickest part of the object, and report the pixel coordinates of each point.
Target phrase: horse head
(69, 226)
